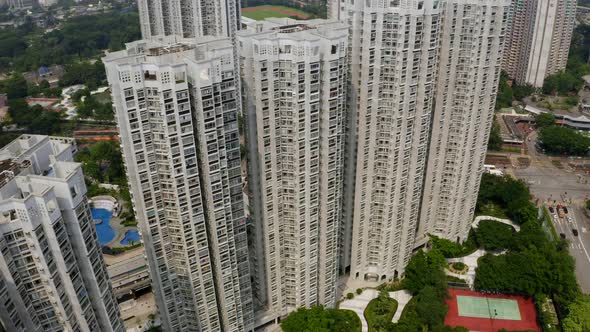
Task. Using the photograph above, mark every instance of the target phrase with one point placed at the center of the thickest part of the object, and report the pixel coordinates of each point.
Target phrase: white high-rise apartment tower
(176, 108)
(538, 39)
(393, 54)
(294, 78)
(52, 274)
(469, 68)
(189, 18)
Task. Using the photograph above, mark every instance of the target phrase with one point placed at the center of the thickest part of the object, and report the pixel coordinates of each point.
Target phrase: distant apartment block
(470, 58)
(176, 106)
(52, 274)
(19, 4)
(538, 39)
(294, 75)
(189, 19)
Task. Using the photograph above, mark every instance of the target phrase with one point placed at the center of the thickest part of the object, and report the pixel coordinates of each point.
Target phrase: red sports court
(490, 312)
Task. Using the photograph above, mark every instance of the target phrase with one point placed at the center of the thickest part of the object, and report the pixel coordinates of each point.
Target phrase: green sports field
(480, 307)
(261, 12)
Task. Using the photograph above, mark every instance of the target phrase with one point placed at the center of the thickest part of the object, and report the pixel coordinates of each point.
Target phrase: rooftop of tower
(293, 29)
(30, 166)
(167, 49)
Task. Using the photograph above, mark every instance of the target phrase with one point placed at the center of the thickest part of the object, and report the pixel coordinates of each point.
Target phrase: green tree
(321, 320)
(425, 269)
(512, 196)
(545, 120)
(495, 140)
(562, 82)
(431, 307)
(521, 91)
(103, 162)
(562, 140)
(505, 95)
(578, 319)
(27, 47)
(451, 249)
(493, 235)
(15, 87)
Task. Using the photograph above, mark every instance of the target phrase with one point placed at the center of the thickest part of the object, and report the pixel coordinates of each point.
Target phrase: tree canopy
(425, 269)
(545, 120)
(91, 74)
(570, 80)
(28, 47)
(561, 83)
(318, 319)
(495, 140)
(90, 107)
(451, 249)
(507, 93)
(493, 235)
(534, 264)
(563, 140)
(36, 119)
(578, 319)
(511, 195)
(103, 162)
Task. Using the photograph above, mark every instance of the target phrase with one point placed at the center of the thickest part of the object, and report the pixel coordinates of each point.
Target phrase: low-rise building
(129, 273)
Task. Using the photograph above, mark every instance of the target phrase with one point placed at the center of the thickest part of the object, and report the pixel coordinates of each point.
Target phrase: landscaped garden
(380, 311)
(318, 319)
(458, 267)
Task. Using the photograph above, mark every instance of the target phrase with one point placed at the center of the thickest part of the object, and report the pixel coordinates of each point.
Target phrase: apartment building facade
(188, 19)
(52, 274)
(294, 80)
(538, 39)
(176, 108)
(393, 50)
(470, 63)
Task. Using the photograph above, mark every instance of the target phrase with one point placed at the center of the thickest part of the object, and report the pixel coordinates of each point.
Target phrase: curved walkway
(509, 222)
(471, 260)
(359, 303)
(402, 297)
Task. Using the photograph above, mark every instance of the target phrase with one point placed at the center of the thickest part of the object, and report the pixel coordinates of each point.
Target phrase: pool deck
(115, 223)
(120, 231)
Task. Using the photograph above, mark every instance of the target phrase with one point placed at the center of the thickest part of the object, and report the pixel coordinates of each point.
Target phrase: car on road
(551, 209)
(575, 232)
(565, 210)
(562, 236)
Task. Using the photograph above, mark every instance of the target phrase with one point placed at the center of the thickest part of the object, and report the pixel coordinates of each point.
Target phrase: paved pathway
(402, 297)
(360, 302)
(509, 222)
(358, 305)
(471, 262)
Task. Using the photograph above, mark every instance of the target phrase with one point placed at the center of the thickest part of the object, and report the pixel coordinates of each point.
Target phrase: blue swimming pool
(130, 236)
(104, 230)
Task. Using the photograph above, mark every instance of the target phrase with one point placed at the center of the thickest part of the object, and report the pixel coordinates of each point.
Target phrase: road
(579, 245)
(551, 185)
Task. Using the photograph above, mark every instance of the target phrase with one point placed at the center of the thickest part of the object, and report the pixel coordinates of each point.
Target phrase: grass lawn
(261, 12)
(380, 311)
(103, 97)
(493, 210)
